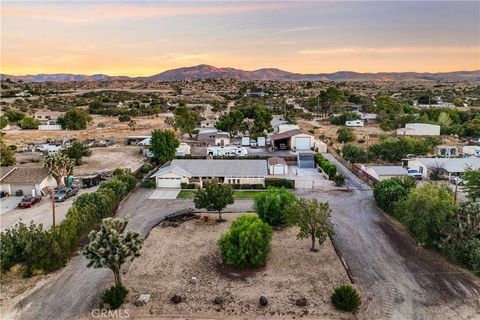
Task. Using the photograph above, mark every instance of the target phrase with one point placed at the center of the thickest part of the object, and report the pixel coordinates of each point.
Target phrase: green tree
(444, 120)
(164, 145)
(60, 166)
(472, 183)
(270, 205)
(247, 243)
(76, 151)
(353, 153)
(7, 156)
(427, 210)
(387, 192)
(345, 134)
(313, 219)
(4, 122)
(28, 123)
(261, 121)
(75, 119)
(14, 115)
(185, 119)
(231, 122)
(109, 247)
(214, 197)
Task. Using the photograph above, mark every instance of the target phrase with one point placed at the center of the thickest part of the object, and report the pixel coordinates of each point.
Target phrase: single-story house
(28, 180)
(173, 173)
(446, 151)
(292, 139)
(380, 173)
(277, 165)
(305, 160)
(419, 129)
(47, 117)
(214, 137)
(445, 167)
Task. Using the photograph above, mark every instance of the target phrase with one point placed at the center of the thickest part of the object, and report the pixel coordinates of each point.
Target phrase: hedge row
(41, 250)
(279, 183)
(327, 167)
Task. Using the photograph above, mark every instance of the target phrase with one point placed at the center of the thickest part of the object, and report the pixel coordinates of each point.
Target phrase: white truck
(227, 151)
(414, 173)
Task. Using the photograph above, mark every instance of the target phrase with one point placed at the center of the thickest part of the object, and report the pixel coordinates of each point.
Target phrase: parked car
(65, 193)
(457, 180)
(414, 174)
(28, 201)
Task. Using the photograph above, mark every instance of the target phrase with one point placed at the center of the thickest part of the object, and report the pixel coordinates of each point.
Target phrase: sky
(144, 38)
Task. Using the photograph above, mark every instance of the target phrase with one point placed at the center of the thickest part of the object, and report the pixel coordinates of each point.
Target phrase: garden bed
(172, 256)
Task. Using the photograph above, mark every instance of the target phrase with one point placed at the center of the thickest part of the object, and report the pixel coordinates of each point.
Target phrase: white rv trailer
(354, 123)
(227, 151)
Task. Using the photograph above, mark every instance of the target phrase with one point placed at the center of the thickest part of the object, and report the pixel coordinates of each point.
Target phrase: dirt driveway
(401, 280)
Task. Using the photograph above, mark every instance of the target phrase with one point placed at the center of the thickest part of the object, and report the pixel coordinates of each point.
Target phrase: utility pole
(51, 192)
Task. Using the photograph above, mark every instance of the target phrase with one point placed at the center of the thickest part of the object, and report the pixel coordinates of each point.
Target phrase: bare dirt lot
(102, 159)
(172, 256)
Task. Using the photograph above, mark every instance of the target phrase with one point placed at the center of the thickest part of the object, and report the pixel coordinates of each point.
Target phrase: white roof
(388, 170)
(215, 168)
(451, 164)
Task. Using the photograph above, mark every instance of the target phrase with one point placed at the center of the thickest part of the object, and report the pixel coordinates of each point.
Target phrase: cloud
(390, 50)
(299, 29)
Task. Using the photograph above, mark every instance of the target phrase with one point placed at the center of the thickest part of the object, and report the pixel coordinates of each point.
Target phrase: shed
(277, 165)
(419, 129)
(380, 173)
(292, 139)
(306, 161)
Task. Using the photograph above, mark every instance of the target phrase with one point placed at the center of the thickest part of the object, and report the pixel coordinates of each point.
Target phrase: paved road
(73, 291)
(403, 280)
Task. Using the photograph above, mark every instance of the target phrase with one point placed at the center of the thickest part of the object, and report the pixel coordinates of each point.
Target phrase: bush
(279, 183)
(150, 183)
(129, 180)
(339, 180)
(124, 118)
(387, 192)
(269, 205)
(185, 185)
(247, 186)
(345, 298)
(115, 296)
(247, 243)
(345, 135)
(118, 187)
(147, 167)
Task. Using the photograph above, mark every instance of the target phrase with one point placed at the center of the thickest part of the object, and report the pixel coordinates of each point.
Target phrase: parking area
(261, 152)
(307, 178)
(40, 213)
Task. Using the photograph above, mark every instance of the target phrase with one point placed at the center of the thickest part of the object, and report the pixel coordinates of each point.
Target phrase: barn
(294, 139)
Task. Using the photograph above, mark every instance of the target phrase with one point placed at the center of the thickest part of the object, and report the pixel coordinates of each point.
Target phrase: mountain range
(204, 71)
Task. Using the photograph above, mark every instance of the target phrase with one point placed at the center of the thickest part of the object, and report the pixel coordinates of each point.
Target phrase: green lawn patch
(247, 194)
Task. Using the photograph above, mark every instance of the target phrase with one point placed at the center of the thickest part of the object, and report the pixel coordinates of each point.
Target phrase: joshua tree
(109, 247)
(59, 166)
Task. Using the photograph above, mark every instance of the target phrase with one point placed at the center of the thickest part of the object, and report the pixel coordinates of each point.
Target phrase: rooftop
(286, 134)
(451, 164)
(26, 175)
(388, 170)
(276, 160)
(215, 168)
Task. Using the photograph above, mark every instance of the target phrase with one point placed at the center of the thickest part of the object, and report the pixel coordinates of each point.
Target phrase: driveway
(399, 279)
(164, 194)
(74, 290)
(40, 213)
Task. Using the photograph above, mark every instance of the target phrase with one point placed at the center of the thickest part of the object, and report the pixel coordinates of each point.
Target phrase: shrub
(269, 205)
(387, 193)
(118, 187)
(339, 180)
(147, 167)
(124, 118)
(346, 298)
(115, 296)
(345, 135)
(247, 243)
(247, 186)
(129, 180)
(279, 183)
(185, 185)
(150, 183)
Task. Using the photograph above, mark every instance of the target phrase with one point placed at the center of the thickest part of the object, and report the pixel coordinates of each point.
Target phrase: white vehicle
(49, 148)
(414, 174)
(457, 180)
(227, 151)
(354, 123)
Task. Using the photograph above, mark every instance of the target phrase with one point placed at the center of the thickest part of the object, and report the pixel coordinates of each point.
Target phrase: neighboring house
(445, 167)
(286, 127)
(292, 139)
(471, 150)
(305, 160)
(354, 123)
(28, 180)
(47, 117)
(182, 150)
(446, 151)
(380, 173)
(277, 165)
(419, 129)
(180, 171)
(216, 138)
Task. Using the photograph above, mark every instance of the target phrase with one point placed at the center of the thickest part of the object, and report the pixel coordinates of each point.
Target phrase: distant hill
(204, 71)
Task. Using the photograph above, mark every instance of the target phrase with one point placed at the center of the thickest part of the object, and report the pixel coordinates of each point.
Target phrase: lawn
(250, 194)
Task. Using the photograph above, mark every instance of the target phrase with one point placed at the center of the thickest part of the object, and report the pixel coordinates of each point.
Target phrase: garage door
(302, 143)
(169, 182)
(279, 170)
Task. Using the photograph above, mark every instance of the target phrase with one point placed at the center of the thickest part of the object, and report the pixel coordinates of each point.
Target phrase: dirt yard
(102, 159)
(172, 256)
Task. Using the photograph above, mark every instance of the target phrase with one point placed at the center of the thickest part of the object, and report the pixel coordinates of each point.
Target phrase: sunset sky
(145, 38)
